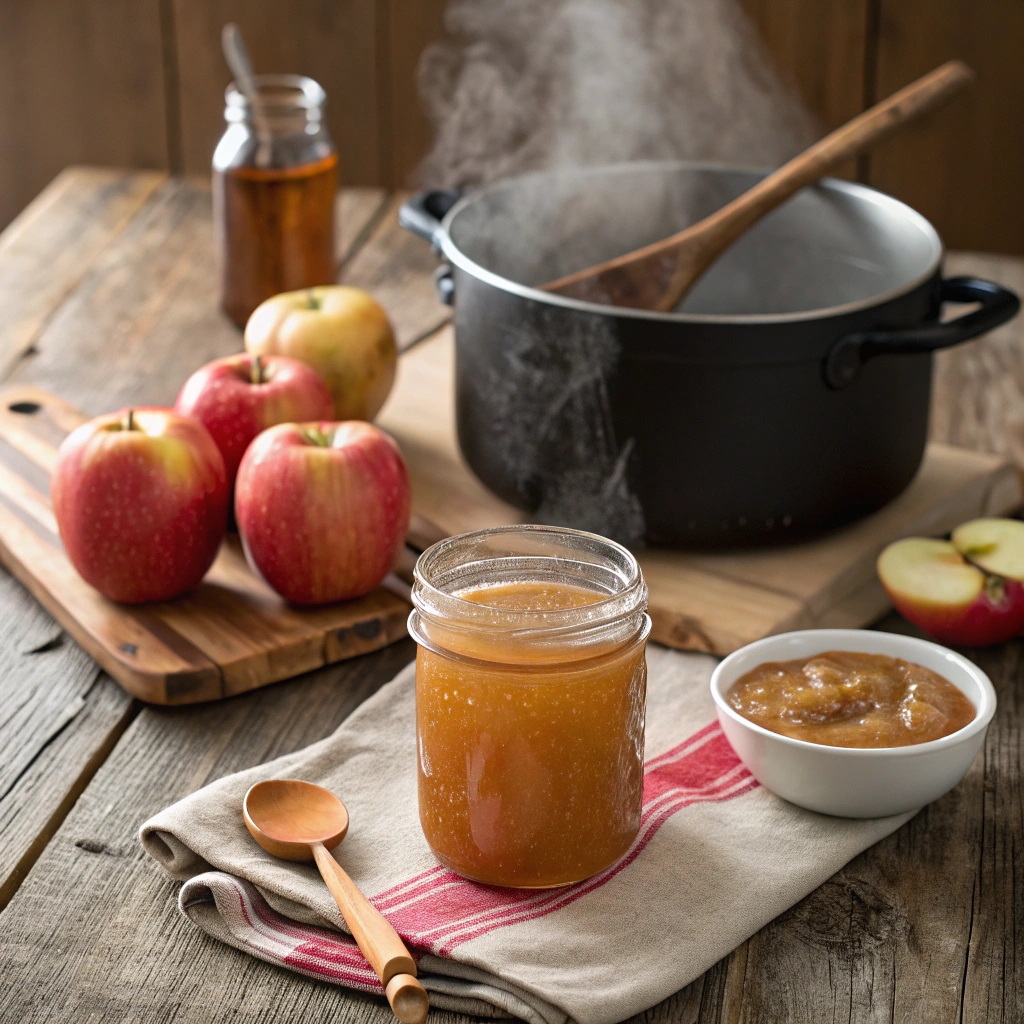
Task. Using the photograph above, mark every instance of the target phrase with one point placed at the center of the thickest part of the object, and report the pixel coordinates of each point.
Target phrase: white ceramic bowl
(845, 781)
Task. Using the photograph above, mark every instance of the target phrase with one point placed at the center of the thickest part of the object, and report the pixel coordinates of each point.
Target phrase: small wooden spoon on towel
(299, 821)
(659, 275)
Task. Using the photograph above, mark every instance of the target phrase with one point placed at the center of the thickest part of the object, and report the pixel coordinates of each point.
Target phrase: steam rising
(536, 84)
(527, 85)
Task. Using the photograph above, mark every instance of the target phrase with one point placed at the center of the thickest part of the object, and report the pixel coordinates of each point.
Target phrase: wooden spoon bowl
(286, 816)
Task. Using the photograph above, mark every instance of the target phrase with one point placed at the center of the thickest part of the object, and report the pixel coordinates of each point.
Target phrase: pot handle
(850, 353)
(423, 212)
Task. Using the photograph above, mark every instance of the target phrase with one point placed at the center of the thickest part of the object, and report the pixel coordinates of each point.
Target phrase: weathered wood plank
(398, 268)
(356, 213)
(150, 296)
(59, 717)
(994, 971)
(51, 245)
(979, 387)
(94, 932)
(144, 316)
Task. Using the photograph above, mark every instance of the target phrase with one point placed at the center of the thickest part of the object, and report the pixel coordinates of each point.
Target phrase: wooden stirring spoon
(299, 821)
(659, 275)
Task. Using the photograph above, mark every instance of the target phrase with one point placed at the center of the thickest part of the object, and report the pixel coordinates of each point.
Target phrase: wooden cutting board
(718, 602)
(231, 634)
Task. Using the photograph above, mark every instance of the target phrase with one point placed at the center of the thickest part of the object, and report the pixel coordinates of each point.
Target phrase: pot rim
(863, 193)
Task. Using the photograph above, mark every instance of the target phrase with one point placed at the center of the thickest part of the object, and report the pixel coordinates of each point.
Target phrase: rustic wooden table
(107, 296)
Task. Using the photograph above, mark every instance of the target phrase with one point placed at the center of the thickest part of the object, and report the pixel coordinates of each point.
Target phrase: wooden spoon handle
(408, 999)
(379, 942)
(852, 138)
(726, 225)
(658, 275)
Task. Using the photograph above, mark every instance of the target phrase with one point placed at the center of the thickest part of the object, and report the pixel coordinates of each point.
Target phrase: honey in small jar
(275, 176)
(530, 687)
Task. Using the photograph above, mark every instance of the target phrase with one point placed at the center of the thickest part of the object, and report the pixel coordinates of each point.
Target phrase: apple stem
(311, 300)
(129, 423)
(256, 370)
(315, 436)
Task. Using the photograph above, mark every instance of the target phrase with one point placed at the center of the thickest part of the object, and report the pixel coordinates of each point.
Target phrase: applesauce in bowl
(851, 699)
(854, 781)
(530, 689)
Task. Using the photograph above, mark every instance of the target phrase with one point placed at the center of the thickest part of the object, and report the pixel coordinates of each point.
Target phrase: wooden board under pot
(707, 602)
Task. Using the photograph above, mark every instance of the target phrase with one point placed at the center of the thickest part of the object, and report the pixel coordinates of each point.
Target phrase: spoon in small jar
(237, 56)
(299, 821)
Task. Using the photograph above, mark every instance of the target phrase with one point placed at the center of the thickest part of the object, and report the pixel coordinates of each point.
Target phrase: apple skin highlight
(322, 509)
(141, 503)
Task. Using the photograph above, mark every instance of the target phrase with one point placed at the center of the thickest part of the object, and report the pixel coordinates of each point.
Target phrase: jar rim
(540, 668)
(307, 94)
(555, 546)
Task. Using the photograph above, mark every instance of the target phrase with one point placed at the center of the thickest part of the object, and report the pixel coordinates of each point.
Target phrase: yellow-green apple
(342, 333)
(141, 499)
(933, 585)
(239, 396)
(322, 509)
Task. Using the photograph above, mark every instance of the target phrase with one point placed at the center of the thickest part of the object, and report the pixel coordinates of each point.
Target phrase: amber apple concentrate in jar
(275, 176)
(530, 688)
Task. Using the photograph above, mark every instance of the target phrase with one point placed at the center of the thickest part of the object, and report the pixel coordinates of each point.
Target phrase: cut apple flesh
(994, 545)
(929, 572)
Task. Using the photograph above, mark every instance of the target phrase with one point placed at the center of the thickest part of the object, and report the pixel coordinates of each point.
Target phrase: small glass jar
(275, 176)
(530, 687)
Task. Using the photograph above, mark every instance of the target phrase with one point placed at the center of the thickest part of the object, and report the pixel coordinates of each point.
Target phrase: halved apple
(995, 546)
(931, 584)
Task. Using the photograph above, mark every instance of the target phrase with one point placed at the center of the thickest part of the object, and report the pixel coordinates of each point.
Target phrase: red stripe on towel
(439, 910)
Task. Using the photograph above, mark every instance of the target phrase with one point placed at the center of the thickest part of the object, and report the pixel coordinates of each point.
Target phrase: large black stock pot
(787, 393)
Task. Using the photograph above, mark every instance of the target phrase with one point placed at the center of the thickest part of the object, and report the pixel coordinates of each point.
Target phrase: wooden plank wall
(140, 82)
(966, 173)
(79, 83)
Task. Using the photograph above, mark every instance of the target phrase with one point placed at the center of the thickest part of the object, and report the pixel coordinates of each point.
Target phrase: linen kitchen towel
(717, 857)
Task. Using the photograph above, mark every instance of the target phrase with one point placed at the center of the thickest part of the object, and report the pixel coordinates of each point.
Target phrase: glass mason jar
(275, 176)
(530, 687)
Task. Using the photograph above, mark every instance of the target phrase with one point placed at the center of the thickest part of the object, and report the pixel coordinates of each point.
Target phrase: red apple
(239, 396)
(141, 500)
(322, 509)
(933, 585)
